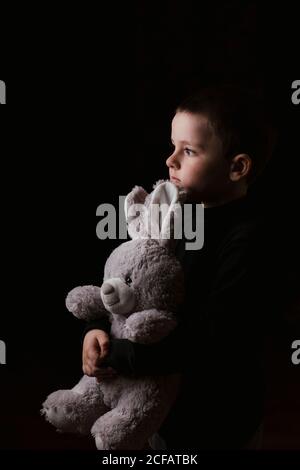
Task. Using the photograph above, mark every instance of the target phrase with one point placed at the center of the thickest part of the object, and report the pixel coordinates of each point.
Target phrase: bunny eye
(128, 280)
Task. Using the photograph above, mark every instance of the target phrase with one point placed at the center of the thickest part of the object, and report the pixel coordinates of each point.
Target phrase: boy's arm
(221, 328)
(135, 359)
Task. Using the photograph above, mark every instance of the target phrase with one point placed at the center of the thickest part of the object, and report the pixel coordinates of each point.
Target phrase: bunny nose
(107, 288)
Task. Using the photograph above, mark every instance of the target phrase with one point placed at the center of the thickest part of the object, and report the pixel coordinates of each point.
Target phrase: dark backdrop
(89, 119)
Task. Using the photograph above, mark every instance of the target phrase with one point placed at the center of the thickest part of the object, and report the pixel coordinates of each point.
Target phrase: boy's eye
(189, 152)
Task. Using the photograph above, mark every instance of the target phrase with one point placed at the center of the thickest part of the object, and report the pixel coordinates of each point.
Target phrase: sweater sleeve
(135, 359)
(102, 324)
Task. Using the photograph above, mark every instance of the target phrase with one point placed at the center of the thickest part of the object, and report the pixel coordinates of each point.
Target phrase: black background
(90, 96)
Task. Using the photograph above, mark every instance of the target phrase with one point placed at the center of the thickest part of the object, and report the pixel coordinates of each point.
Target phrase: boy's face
(197, 163)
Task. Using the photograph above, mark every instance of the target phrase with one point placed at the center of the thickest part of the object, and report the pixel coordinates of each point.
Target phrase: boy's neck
(225, 199)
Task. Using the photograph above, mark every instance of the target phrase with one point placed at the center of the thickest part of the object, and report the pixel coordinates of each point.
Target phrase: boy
(220, 146)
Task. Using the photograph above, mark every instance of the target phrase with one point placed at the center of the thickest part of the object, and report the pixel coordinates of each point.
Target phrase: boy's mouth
(174, 180)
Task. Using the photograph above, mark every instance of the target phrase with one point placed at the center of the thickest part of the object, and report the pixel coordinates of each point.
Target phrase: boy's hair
(239, 120)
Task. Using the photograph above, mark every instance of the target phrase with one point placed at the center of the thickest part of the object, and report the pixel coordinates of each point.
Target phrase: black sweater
(219, 341)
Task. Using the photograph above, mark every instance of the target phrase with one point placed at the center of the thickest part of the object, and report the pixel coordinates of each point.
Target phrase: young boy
(220, 146)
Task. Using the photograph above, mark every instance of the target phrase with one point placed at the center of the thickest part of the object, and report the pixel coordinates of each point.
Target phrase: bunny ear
(136, 196)
(167, 198)
(154, 215)
(134, 207)
(164, 193)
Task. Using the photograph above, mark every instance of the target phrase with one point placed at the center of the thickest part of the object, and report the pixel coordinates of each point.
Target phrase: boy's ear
(240, 166)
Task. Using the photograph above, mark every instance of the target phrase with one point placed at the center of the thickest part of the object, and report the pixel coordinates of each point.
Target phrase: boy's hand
(94, 351)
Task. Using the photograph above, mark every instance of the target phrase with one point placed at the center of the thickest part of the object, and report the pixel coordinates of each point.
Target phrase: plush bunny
(141, 292)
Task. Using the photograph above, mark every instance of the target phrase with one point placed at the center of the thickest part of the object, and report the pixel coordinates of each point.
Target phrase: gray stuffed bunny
(141, 292)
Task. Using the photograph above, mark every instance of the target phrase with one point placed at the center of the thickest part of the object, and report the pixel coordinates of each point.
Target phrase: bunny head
(143, 273)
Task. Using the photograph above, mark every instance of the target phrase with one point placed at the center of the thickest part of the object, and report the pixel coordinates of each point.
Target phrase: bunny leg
(77, 409)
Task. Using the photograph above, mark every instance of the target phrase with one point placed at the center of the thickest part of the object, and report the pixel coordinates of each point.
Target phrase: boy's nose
(172, 161)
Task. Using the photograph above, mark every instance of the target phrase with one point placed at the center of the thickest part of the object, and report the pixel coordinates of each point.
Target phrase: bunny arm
(149, 326)
(85, 303)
